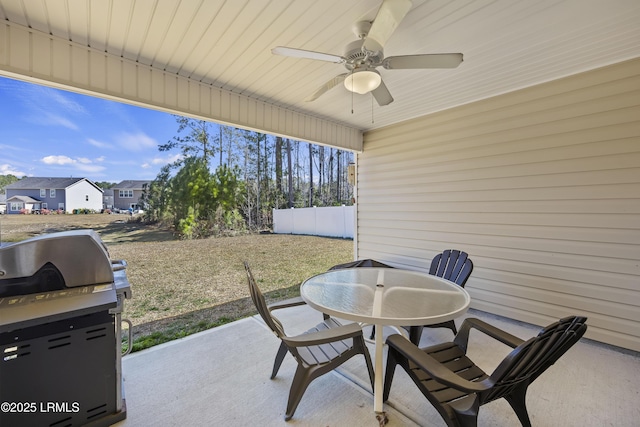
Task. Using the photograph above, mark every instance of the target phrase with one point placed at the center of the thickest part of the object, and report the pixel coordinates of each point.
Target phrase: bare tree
(197, 142)
(330, 177)
(310, 175)
(289, 174)
(278, 161)
(339, 177)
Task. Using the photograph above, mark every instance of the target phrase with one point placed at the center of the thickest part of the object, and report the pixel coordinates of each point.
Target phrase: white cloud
(99, 144)
(100, 159)
(80, 163)
(136, 141)
(46, 106)
(57, 160)
(7, 169)
(56, 120)
(166, 160)
(63, 101)
(46, 98)
(89, 167)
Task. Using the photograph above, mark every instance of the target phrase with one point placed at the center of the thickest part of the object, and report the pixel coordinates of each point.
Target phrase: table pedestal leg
(379, 373)
(378, 369)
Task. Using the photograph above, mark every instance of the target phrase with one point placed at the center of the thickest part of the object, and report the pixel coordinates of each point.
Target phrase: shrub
(185, 226)
(84, 211)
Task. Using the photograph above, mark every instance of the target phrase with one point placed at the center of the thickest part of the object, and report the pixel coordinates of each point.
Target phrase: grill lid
(57, 276)
(54, 261)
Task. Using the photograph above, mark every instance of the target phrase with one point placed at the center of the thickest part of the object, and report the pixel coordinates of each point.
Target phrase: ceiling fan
(363, 56)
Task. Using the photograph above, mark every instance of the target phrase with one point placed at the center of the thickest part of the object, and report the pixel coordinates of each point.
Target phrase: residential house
(107, 198)
(126, 194)
(3, 203)
(18, 204)
(67, 194)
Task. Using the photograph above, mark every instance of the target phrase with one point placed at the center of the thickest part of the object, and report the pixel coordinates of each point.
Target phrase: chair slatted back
(261, 304)
(361, 263)
(530, 359)
(452, 265)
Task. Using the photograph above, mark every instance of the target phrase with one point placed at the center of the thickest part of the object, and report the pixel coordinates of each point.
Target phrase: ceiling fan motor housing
(356, 58)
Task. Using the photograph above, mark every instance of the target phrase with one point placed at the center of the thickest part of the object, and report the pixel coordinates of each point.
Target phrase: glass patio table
(384, 297)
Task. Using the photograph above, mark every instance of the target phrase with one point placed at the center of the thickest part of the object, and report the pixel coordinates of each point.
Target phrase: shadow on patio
(221, 377)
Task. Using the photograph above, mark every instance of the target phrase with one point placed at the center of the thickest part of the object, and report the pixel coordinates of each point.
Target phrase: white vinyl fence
(333, 221)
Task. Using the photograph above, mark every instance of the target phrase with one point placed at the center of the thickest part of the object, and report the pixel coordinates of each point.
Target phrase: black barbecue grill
(61, 301)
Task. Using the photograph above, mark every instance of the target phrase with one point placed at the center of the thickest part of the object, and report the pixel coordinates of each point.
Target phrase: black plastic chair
(457, 388)
(455, 266)
(360, 263)
(317, 351)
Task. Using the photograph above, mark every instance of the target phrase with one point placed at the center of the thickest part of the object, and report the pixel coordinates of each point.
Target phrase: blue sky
(54, 133)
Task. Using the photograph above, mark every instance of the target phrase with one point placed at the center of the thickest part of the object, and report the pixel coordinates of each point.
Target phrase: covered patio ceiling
(507, 45)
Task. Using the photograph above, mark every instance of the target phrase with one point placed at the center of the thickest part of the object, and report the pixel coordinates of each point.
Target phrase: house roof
(131, 184)
(507, 45)
(24, 199)
(31, 183)
(35, 183)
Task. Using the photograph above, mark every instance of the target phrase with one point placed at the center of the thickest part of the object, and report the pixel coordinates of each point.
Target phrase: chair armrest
(323, 337)
(292, 302)
(462, 337)
(434, 368)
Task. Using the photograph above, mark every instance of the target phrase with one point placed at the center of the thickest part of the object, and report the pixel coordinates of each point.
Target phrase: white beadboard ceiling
(507, 45)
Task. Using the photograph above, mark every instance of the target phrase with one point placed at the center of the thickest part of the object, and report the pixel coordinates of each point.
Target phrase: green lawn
(184, 286)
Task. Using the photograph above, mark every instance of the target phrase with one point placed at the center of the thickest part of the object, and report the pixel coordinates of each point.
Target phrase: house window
(44, 206)
(61, 206)
(16, 206)
(52, 192)
(126, 194)
(43, 192)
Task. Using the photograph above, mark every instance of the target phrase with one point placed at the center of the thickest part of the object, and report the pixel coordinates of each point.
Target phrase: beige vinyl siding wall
(540, 186)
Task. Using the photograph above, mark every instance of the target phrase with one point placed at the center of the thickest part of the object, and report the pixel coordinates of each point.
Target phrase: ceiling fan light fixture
(362, 81)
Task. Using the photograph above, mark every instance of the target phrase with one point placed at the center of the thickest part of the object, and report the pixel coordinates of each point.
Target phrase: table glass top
(387, 295)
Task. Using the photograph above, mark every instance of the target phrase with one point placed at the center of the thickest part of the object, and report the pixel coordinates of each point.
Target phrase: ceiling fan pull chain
(352, 101)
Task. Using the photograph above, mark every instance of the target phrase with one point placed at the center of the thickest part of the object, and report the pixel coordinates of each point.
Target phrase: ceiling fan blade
(436, 60)
(306, 54)
(389, 15)
(382, 95)
(325, 87)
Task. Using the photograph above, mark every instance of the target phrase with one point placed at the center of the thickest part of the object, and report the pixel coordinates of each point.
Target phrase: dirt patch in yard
(111, 227)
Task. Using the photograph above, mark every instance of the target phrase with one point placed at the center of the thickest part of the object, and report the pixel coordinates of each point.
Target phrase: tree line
(230, 179)
(6, 180)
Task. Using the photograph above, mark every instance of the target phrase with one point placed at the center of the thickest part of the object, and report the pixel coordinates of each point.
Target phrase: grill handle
(118, 264)
(129, 336)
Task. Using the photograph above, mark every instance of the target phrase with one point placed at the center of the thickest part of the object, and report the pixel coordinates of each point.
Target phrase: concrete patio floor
(220, 377)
